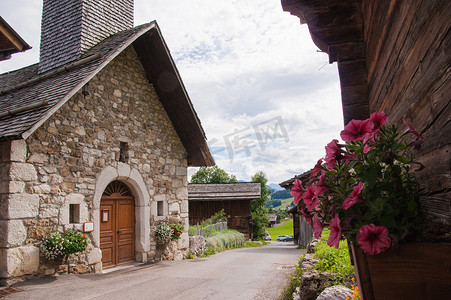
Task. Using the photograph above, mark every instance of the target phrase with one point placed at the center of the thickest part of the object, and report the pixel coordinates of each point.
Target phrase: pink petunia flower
(333, 154)
(354, 197)
(309, 197)
(317, 227)
(296, 191)
(378, 119)
(356, 130)
(317, 168)
(368, 140)
(373, 239)
(308, 217)
(411, 129)
(335, 233)
(321, 187)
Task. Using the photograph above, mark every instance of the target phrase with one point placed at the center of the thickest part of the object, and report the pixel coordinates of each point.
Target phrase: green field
(286, 229)
(285, 203)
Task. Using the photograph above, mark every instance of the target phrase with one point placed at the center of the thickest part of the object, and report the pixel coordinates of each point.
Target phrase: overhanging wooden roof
(336, 28)
(10, 41)
(224, 191)
(304, 177)
(28, 99)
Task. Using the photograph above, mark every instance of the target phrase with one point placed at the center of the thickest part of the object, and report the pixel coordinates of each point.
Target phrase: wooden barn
(394, 56)
(235, 198)
(302, 231)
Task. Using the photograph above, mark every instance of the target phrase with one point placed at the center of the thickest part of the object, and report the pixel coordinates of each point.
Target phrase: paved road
(248, 273)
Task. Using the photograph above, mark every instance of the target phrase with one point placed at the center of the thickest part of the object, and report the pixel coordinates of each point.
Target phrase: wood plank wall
(408, 62)
(202, 210)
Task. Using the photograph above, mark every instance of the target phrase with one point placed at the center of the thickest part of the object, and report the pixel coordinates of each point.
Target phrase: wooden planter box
(411, 271)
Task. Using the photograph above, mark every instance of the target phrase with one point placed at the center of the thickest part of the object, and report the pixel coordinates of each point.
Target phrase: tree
(212, 175)
(258, 211)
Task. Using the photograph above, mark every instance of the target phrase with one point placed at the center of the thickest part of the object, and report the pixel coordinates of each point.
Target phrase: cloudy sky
(267, 99)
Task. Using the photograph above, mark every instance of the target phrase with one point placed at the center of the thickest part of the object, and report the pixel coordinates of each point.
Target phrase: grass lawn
(285, 203)
(286, 229)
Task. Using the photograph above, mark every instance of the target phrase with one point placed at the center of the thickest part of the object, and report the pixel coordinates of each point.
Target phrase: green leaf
(402, 159)
(371, 175)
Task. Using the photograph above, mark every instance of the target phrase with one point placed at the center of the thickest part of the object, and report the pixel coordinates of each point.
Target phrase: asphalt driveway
(247, 273)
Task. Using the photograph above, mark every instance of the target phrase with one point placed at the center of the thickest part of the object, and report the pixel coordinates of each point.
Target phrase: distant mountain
(284, 194)
(275, 187)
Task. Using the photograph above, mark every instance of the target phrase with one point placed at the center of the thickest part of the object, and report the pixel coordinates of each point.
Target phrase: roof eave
(163, 74)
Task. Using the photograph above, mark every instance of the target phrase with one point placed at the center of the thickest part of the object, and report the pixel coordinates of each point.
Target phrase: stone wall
(60, 163)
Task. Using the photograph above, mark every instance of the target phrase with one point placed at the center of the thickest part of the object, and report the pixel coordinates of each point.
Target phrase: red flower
(354, 197)
(317, 167)
(368, 140)
(318, 227)
(378, 119)
(309, 197)
(333, 154)
(335, 232)
(296, 191)
(373, 239)
(356, 130)
(321, 187)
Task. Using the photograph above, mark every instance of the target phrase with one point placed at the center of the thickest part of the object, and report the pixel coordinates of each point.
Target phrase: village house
(394, 56)
(96, 137)
(235, 198)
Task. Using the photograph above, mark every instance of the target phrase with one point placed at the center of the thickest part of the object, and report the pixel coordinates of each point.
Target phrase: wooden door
(117, 225)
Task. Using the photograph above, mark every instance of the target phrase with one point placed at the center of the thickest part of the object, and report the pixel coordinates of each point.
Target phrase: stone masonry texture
(60, 160)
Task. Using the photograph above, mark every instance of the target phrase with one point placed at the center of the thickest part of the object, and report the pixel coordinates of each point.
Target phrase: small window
(159, 208)
(123, 154)
(74, 213)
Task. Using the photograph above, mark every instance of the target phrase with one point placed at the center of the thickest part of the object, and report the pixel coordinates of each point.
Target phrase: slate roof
(48, 91)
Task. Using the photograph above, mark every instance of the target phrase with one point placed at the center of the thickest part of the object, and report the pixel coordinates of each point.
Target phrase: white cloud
(242, 62)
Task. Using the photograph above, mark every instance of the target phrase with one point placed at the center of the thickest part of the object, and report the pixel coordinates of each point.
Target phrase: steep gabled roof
(28, 99)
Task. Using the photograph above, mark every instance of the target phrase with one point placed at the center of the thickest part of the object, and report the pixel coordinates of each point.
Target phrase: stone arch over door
(135, 182)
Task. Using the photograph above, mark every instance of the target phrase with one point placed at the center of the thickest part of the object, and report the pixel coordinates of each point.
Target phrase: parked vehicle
(289, 238)
(267, 236)
(281, 237)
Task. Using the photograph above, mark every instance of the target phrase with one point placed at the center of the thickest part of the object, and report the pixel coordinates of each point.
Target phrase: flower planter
(411, 271)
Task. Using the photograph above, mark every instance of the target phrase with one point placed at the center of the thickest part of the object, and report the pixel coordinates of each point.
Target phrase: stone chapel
(101, 130)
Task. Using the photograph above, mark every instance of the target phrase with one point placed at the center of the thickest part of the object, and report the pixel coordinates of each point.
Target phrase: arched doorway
(117, 225)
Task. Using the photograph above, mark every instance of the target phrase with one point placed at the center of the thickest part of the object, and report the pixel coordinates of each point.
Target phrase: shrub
(177, 230)
(227, 239)
(192, 231)
(163, 233)
(334, 260)
(74, 242)
(52, 246)
(56, 245)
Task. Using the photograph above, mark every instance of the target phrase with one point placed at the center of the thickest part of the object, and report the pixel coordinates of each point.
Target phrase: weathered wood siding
(305, 232)
(239, 210)
(408, 64)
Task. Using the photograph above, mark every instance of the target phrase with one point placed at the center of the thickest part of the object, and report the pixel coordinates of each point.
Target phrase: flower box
(410, 271)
